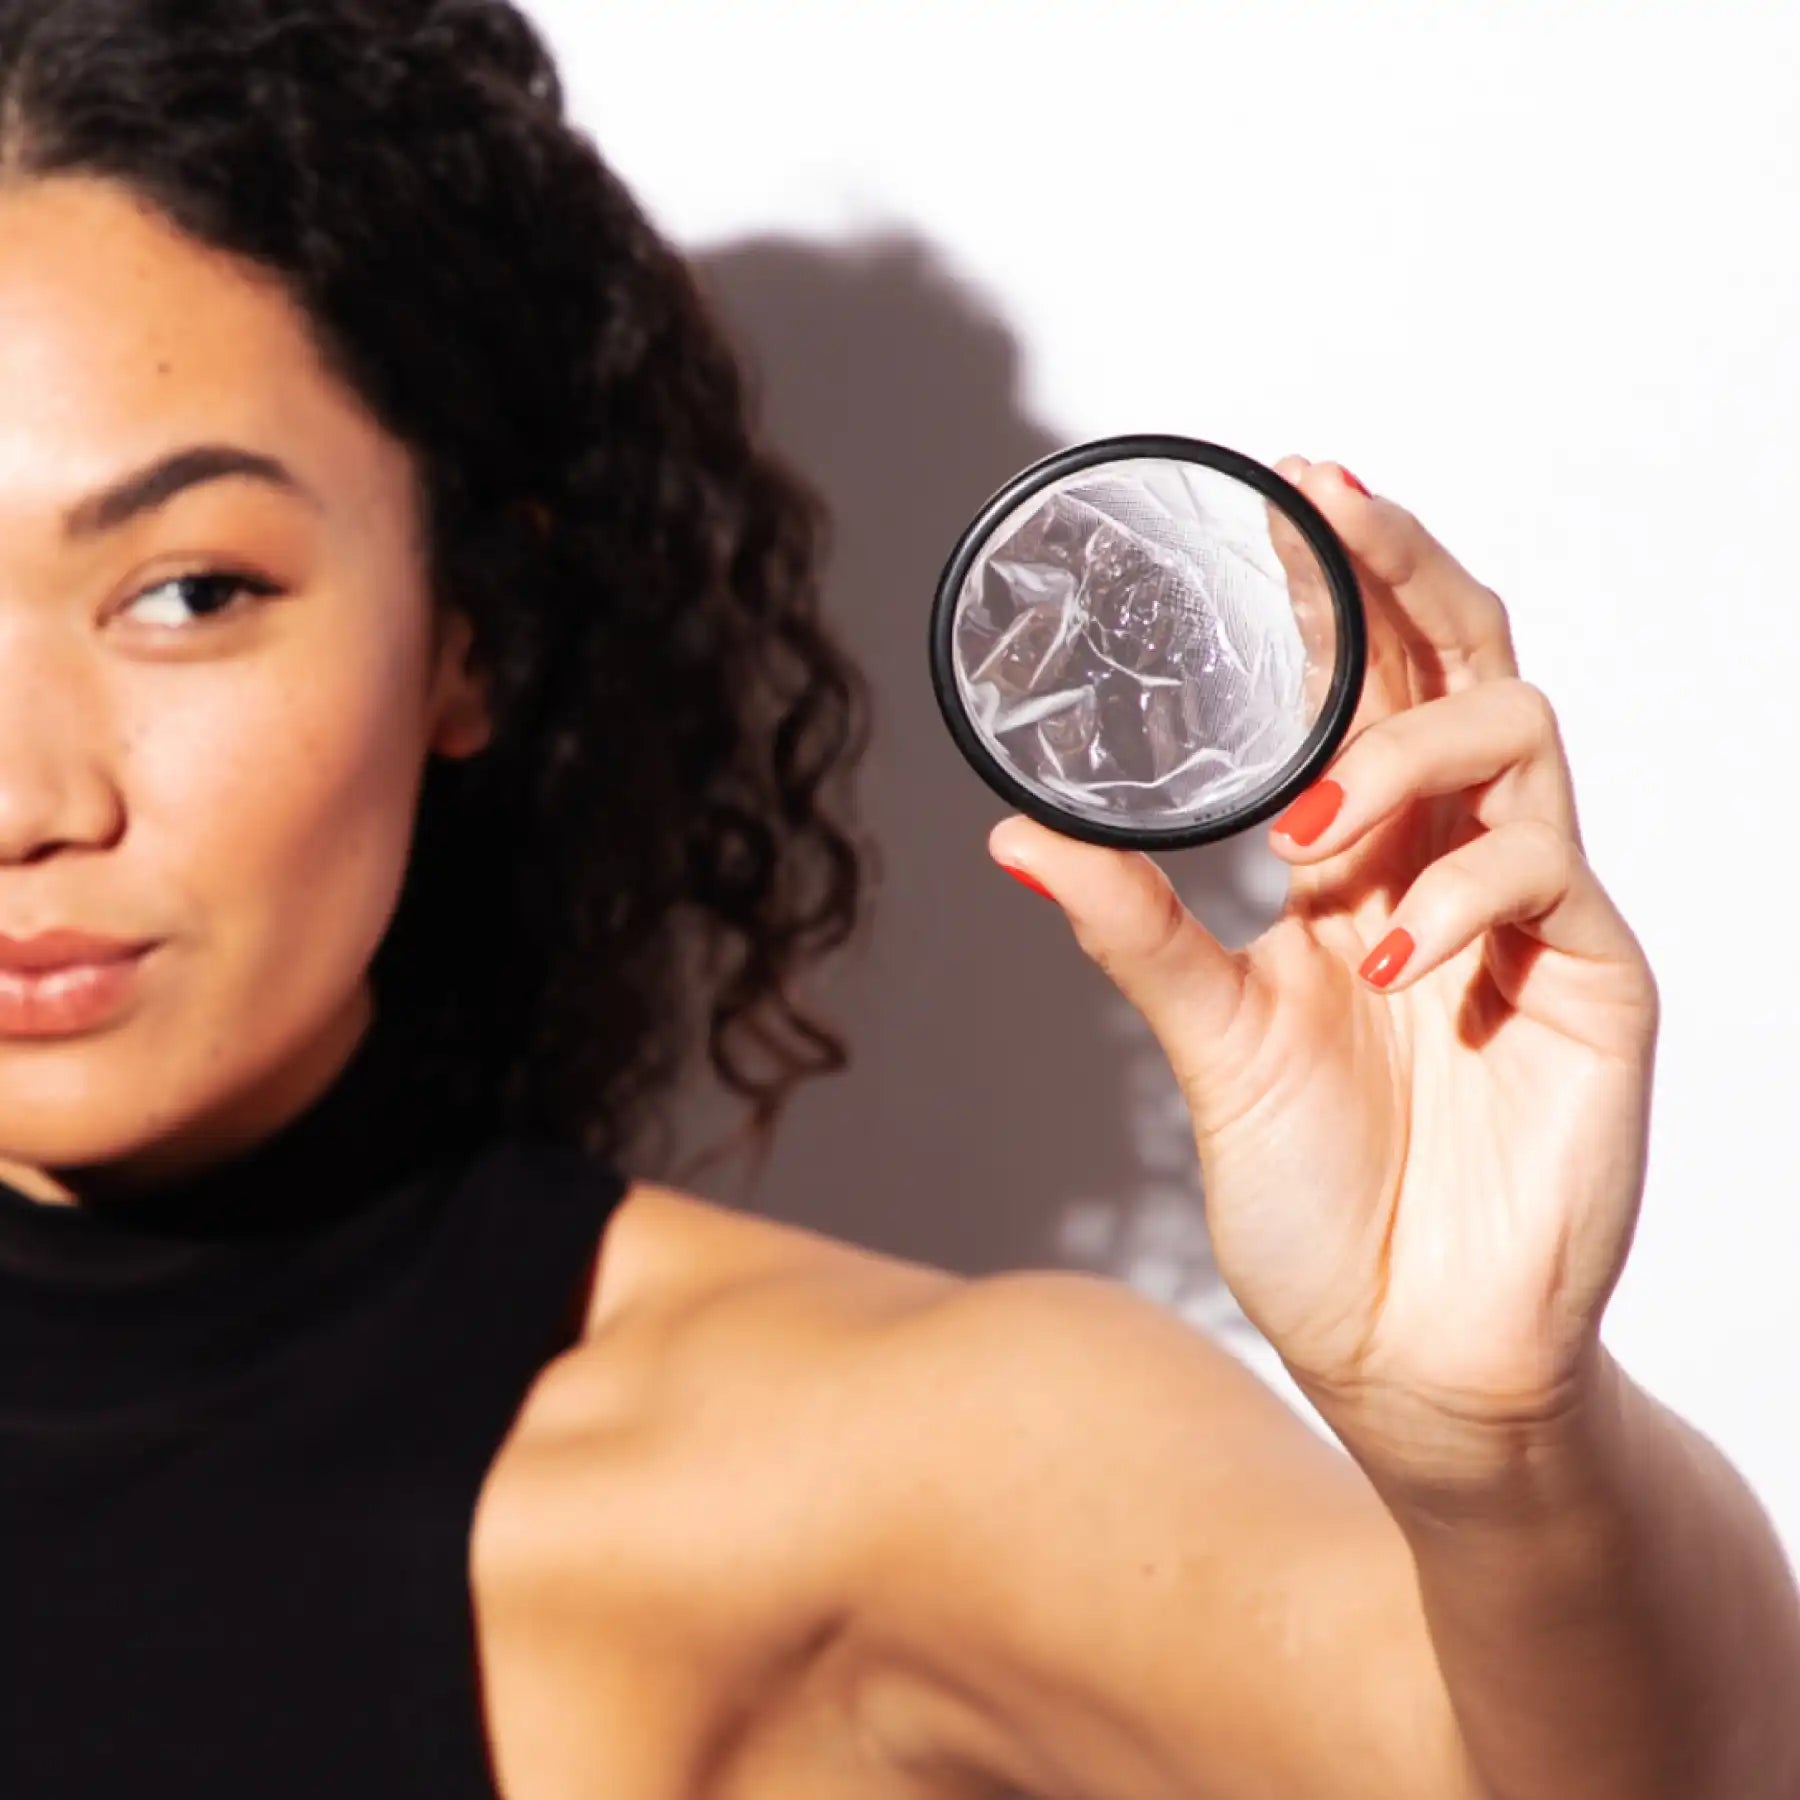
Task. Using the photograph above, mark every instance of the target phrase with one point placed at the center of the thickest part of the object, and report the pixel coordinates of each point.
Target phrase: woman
(410, 670)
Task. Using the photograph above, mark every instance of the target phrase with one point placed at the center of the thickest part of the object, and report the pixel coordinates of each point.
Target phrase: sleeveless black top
(243, 1424)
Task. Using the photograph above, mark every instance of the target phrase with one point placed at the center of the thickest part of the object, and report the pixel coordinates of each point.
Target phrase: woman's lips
(73, 997)
(63, 950)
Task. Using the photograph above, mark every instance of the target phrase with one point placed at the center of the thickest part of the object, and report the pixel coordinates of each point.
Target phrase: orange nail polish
(1388, 958)
(1035, 886)
(1355, 483)
(1306, 819)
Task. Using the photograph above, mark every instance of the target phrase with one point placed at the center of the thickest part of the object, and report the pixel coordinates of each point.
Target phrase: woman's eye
(204, 590)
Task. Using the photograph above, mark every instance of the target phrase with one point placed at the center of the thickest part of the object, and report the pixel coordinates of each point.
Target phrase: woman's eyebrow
(150, 487)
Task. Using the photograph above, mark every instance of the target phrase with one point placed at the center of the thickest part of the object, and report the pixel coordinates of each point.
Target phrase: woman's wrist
(1610, 1609)
(1439, 1466)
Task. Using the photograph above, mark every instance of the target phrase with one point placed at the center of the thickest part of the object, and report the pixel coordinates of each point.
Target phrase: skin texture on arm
(1109, 1562)
(1106, 1562)
(1623, 1550)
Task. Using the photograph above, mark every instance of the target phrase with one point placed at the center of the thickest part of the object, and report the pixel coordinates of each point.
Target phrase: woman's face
(231, 774)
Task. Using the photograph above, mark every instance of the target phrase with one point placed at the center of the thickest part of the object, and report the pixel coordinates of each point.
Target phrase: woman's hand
(1421, 1178)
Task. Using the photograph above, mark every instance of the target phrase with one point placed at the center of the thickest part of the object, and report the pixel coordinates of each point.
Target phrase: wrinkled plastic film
(1135, 645)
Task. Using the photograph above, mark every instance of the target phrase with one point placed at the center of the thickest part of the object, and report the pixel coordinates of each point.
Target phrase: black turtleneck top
(243, 1424)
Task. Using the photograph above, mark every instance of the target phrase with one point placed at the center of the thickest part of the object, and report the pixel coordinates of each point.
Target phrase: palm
(1354, 1117)
(1432, 1190)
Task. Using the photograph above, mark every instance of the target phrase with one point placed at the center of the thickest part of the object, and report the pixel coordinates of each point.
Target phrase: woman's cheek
(285, 808)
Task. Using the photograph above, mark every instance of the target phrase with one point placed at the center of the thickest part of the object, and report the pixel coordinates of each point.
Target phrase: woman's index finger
(1445, 610)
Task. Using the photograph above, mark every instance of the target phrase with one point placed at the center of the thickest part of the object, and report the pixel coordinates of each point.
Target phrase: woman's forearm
(1613, 1614)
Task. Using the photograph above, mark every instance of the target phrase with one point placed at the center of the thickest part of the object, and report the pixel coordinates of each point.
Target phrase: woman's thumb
(1126, 915)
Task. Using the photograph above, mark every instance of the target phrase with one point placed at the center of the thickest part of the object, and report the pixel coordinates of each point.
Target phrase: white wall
(1533, 270)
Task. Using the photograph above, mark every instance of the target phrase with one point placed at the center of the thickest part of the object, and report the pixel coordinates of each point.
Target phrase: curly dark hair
(659, 832)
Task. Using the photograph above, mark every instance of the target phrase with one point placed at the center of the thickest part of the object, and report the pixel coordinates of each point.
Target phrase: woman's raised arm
(1423, 1172)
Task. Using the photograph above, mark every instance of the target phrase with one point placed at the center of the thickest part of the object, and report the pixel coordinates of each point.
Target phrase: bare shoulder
(669, 1250)
(687, 1483)
(756, 1346)
(763, 1493)
(726, 1339)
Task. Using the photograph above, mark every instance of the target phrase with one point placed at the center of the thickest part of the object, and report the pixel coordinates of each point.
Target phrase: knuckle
(1377, 765)
(1497, 606)
(1169, 922)
(1145, 944)
(1551, 851)
(1095, 947)
(1533, 709)
(1105, 958)
(1410, 538)
(1402, 518)
(1458, 889)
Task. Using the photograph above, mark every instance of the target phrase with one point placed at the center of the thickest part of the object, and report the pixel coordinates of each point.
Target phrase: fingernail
(1307, 818)
(1035, 886)
(1355, 483)
(1388, 958)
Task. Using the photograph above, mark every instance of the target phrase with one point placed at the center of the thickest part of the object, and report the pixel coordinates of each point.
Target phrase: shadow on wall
(1005, 1108)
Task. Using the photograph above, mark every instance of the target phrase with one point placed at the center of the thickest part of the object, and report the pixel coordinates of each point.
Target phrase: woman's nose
(56, 786)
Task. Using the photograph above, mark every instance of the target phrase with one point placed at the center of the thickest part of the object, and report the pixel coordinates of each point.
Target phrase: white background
(1533, 270)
